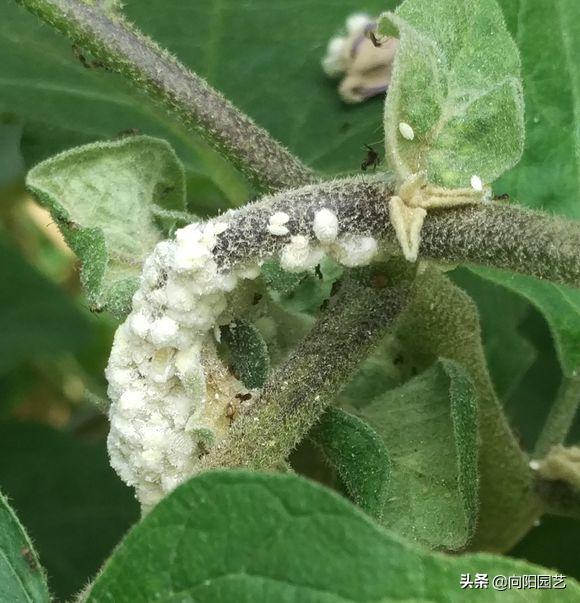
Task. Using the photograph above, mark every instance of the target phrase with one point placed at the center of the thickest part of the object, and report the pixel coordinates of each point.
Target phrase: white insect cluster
(349, 249)
(169, 391)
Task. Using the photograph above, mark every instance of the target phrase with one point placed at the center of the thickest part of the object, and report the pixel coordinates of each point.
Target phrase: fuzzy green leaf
(278, 279)
(442, 321)
(248, 353)
(359, 456)
(456, 83)
(429, 427)
(250, 537)
(103, 196)
(21, 577)
(560, 306)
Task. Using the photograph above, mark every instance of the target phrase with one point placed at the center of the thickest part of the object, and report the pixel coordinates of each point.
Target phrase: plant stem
(122, 48)
(299, 390)
(496, 235)
(560, 418)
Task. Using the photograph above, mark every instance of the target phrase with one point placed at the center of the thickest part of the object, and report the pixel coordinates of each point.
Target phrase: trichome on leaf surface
(404, 331)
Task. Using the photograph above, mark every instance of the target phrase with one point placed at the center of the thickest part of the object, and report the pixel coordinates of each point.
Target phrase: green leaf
(548, 36)
(244, 537)
(36, 318)
(81, 105)
(559, 304)
(358, 455)
(248, 353)
(74, 506)
(442, 321)
(383, 370)
(21, 577)
(104, 198)
(429, 427)
(278, 279)
(456, 83)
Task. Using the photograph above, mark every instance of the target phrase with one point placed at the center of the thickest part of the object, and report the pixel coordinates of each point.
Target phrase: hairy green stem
(495, 234)
(122, 48)
(560, 418)
(300, 389)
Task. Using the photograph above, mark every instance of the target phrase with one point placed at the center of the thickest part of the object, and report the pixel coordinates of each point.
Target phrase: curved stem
(300, 389)
(121, 47)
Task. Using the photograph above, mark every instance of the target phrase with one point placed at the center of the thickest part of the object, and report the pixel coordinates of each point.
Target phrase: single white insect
(476, 183)
(277, 230)
(298, 255)
(406, 131)
(279, 218)
(325, 226)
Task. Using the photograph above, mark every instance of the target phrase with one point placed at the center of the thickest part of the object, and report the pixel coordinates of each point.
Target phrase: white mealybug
(325, 226)
(276, 224)
(169, 390)
(406, 131)
(476, 183)
(356, 250)
(298, 255)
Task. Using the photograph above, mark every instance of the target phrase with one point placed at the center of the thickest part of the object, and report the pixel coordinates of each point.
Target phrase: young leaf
(359, 456)
(103, 197)
(22, 579)
(560, 306)
(442, 321)
(239, 536)
(248, 353)
(429, 427)
(456, 84)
